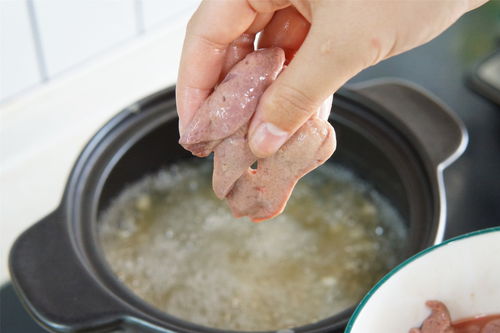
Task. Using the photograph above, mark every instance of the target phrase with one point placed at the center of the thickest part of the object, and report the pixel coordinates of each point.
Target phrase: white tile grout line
(90, 59)
(139, 17)
(35, 31)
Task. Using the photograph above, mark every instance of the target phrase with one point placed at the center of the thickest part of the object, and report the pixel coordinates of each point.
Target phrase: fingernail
(267, 139)
(325, 108)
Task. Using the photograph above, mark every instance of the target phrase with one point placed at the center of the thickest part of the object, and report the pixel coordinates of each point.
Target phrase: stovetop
(441, 66)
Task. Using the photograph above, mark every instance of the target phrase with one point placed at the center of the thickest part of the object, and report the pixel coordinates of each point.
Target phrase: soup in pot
(174, 244)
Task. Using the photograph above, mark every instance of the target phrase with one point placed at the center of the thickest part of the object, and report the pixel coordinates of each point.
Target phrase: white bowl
(463, 272)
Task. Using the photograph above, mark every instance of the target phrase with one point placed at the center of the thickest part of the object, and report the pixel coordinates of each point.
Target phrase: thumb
(313, 75)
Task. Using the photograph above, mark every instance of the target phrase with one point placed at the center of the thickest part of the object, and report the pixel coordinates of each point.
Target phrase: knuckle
(202, 38)
(379, 49)
(294, 107)
(209, 44)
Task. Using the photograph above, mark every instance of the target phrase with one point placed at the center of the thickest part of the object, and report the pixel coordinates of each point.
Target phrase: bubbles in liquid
(174, 244)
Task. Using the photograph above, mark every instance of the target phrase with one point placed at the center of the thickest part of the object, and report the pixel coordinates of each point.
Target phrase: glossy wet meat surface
(221, 126)
(440, 322)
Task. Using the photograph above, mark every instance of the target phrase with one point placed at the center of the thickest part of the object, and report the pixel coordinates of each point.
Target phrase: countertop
(32, 182)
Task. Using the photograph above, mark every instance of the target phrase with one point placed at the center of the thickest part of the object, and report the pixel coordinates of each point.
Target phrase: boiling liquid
(172, 242)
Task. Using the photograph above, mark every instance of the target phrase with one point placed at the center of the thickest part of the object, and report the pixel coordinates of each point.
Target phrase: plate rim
(399, 267)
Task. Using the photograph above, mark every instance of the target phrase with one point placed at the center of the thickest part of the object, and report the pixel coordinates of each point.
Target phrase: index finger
(214, 25)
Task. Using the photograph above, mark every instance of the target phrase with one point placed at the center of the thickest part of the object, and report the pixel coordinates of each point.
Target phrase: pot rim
(125, 312)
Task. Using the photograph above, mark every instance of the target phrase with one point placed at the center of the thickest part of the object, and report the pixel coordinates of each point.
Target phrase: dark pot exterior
(392, 133)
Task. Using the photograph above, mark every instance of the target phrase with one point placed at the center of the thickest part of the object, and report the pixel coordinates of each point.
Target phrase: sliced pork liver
(263, 193)
(221, 125)
(438, 322)
(233, 102)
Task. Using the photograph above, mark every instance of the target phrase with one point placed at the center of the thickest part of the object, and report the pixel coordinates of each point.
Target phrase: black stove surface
(441, 66)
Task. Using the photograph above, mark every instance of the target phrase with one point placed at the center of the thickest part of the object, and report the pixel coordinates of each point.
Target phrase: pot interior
(145, 142)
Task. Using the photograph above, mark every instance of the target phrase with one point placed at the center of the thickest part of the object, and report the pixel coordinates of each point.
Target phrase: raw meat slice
(221, 125)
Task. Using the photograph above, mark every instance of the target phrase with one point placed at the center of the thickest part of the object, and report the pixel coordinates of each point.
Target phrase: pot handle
(53, 284)
(441, 133)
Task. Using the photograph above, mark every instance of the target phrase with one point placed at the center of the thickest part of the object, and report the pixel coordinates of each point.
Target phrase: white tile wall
(157, 12)
(41, 39)
(18, 63)
(71, 31)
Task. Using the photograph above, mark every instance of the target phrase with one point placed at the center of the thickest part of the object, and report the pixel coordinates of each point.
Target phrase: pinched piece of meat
(232, 157)
(262, 193)
(438, 322)
(221, 125)
(233, 101)
(492, 327)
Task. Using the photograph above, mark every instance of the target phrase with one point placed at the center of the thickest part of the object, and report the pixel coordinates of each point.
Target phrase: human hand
(326, 43)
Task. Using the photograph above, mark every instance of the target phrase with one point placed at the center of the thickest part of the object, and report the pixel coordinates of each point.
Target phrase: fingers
(260, 21)
(314, 74)
(287, 30)
(473, 4)
(211, 29)
(268, 6)
(325, 108)
(236, 51)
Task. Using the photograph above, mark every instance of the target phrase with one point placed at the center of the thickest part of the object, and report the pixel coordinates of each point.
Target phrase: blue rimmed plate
(463, 272)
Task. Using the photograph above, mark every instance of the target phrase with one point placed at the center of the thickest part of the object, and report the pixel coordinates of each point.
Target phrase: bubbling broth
(174, 244)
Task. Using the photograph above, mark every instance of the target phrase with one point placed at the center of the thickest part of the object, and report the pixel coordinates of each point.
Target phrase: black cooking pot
(395, 136)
